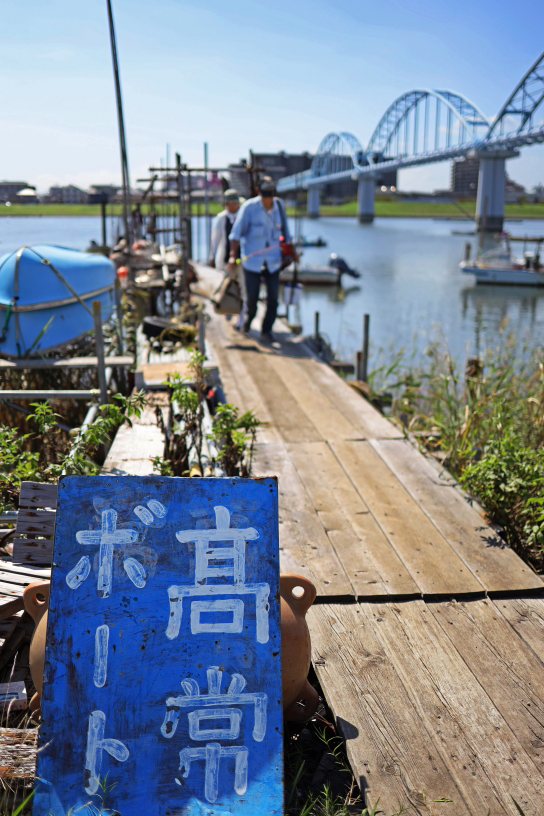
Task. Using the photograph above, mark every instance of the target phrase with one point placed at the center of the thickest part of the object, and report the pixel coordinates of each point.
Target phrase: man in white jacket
(221, 227)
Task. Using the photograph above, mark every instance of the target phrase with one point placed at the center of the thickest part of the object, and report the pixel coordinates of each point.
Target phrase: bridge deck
(426, 638)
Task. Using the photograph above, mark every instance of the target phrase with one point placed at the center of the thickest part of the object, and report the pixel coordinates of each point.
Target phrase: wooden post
(99, 342)
(103, 218)
(206, 205)
(119, 314)
(201, 325)
(363, 359)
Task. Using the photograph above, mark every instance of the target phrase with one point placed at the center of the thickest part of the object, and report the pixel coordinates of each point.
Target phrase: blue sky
(241, 74)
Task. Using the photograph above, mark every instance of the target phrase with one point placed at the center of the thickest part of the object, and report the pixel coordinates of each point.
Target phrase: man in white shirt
(257, 233)
(221, 228)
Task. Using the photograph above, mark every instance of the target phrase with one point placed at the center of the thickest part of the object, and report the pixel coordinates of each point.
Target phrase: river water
(411, 285)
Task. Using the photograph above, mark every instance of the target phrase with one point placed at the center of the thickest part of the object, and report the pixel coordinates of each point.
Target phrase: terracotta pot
(297, 594)
(300, 699)
(36, 601)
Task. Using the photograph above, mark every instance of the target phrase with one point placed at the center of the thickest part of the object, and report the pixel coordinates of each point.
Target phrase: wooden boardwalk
(427, 632)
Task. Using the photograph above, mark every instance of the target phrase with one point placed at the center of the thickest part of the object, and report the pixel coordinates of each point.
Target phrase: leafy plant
(162, 466)
(234, 436)
(486, 424)
(184, 434)
(52, 459)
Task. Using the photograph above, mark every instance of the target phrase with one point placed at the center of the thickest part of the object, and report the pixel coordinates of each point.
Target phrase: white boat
(500, 266)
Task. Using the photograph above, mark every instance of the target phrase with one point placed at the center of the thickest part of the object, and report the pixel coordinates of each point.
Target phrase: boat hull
(509, 277)
(319, 277)
(42, 309)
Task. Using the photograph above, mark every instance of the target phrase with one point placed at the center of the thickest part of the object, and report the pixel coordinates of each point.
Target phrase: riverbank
(384, 208)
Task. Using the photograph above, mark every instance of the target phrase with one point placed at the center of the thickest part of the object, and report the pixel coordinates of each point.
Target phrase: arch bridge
(425, 126)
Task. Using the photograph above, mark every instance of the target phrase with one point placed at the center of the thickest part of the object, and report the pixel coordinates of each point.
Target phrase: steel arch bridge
(424, 126)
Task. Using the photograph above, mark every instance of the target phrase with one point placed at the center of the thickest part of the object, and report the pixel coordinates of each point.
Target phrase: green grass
(486, 425)
(383, 208)
(420, 209)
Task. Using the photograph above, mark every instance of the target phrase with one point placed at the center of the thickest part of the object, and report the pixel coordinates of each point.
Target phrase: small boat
(46, 295)
(499, 266)
(327, 275)
(302, 241)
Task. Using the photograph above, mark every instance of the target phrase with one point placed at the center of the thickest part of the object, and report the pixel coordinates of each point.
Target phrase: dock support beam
(365, 200)
(491, 184)
(312, 204)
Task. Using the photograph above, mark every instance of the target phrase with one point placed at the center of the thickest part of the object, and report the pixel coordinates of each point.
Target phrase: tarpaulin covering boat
(46, 295)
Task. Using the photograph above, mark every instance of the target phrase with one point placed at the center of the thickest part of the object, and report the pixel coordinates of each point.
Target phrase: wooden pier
(427, 631)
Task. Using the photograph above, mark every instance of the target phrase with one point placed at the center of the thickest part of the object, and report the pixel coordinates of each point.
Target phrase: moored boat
(327, 275)
(500, 266)
(46, 295)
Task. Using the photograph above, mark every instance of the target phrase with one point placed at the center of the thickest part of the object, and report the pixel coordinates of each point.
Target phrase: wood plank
(355, 408)
(526, 616)
(35, 573)
(434, 566)
(486, 555)
(9, 605)
(389, 749)
(33, 550)
(11, 589)
(504, 665)
(38, 522)
(18, 750)
(38, 494)
(477, 745)
(320, 410)
(74, 362)
(285, 413)
(373, 566)
(240, 390)
(134, 447)
(304, 546)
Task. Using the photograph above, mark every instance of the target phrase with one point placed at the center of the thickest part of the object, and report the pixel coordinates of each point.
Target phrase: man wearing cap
(256, 232)
(221, 227)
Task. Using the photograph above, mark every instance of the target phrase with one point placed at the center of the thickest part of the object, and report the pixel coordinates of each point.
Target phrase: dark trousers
(253, 285)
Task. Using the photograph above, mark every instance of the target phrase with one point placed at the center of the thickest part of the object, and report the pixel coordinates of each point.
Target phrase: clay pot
(36, 601)
(300, 699)
(297, 594)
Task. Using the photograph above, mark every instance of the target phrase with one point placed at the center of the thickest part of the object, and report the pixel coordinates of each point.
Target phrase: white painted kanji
(107, 538)
(96, 745)
(214, 707)
(219, 563)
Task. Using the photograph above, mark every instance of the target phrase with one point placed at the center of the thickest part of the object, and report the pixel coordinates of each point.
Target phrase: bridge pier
(365, 199)
(312, 203)
(491, 182)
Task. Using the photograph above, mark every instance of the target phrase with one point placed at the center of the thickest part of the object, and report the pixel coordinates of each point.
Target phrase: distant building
(27, 195)
(239, 178)
(513, 191)
(537, 193)
(9, 189)
(67, 195)
(464, 181)
(101, 192)
(278, 165)
(464, 177)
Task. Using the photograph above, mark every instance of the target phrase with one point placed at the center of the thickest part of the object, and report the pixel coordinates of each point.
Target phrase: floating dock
(427, 631)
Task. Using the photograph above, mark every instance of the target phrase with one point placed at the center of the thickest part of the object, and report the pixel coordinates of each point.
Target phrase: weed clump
(486, 424)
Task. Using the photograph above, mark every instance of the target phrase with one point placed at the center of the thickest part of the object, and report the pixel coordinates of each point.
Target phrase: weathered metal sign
(162, 692)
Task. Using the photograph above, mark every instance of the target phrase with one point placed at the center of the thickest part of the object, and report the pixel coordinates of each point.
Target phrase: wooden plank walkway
(427, 631)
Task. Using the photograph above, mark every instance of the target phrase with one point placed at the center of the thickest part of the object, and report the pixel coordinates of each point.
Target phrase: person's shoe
(267, 337)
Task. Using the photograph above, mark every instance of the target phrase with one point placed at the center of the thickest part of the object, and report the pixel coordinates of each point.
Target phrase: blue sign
(162, 680)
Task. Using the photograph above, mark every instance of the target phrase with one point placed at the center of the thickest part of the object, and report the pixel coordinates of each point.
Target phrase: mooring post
(103, 202)
(99, 342)
(362, 359)
(119, 315)
(201, 325)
